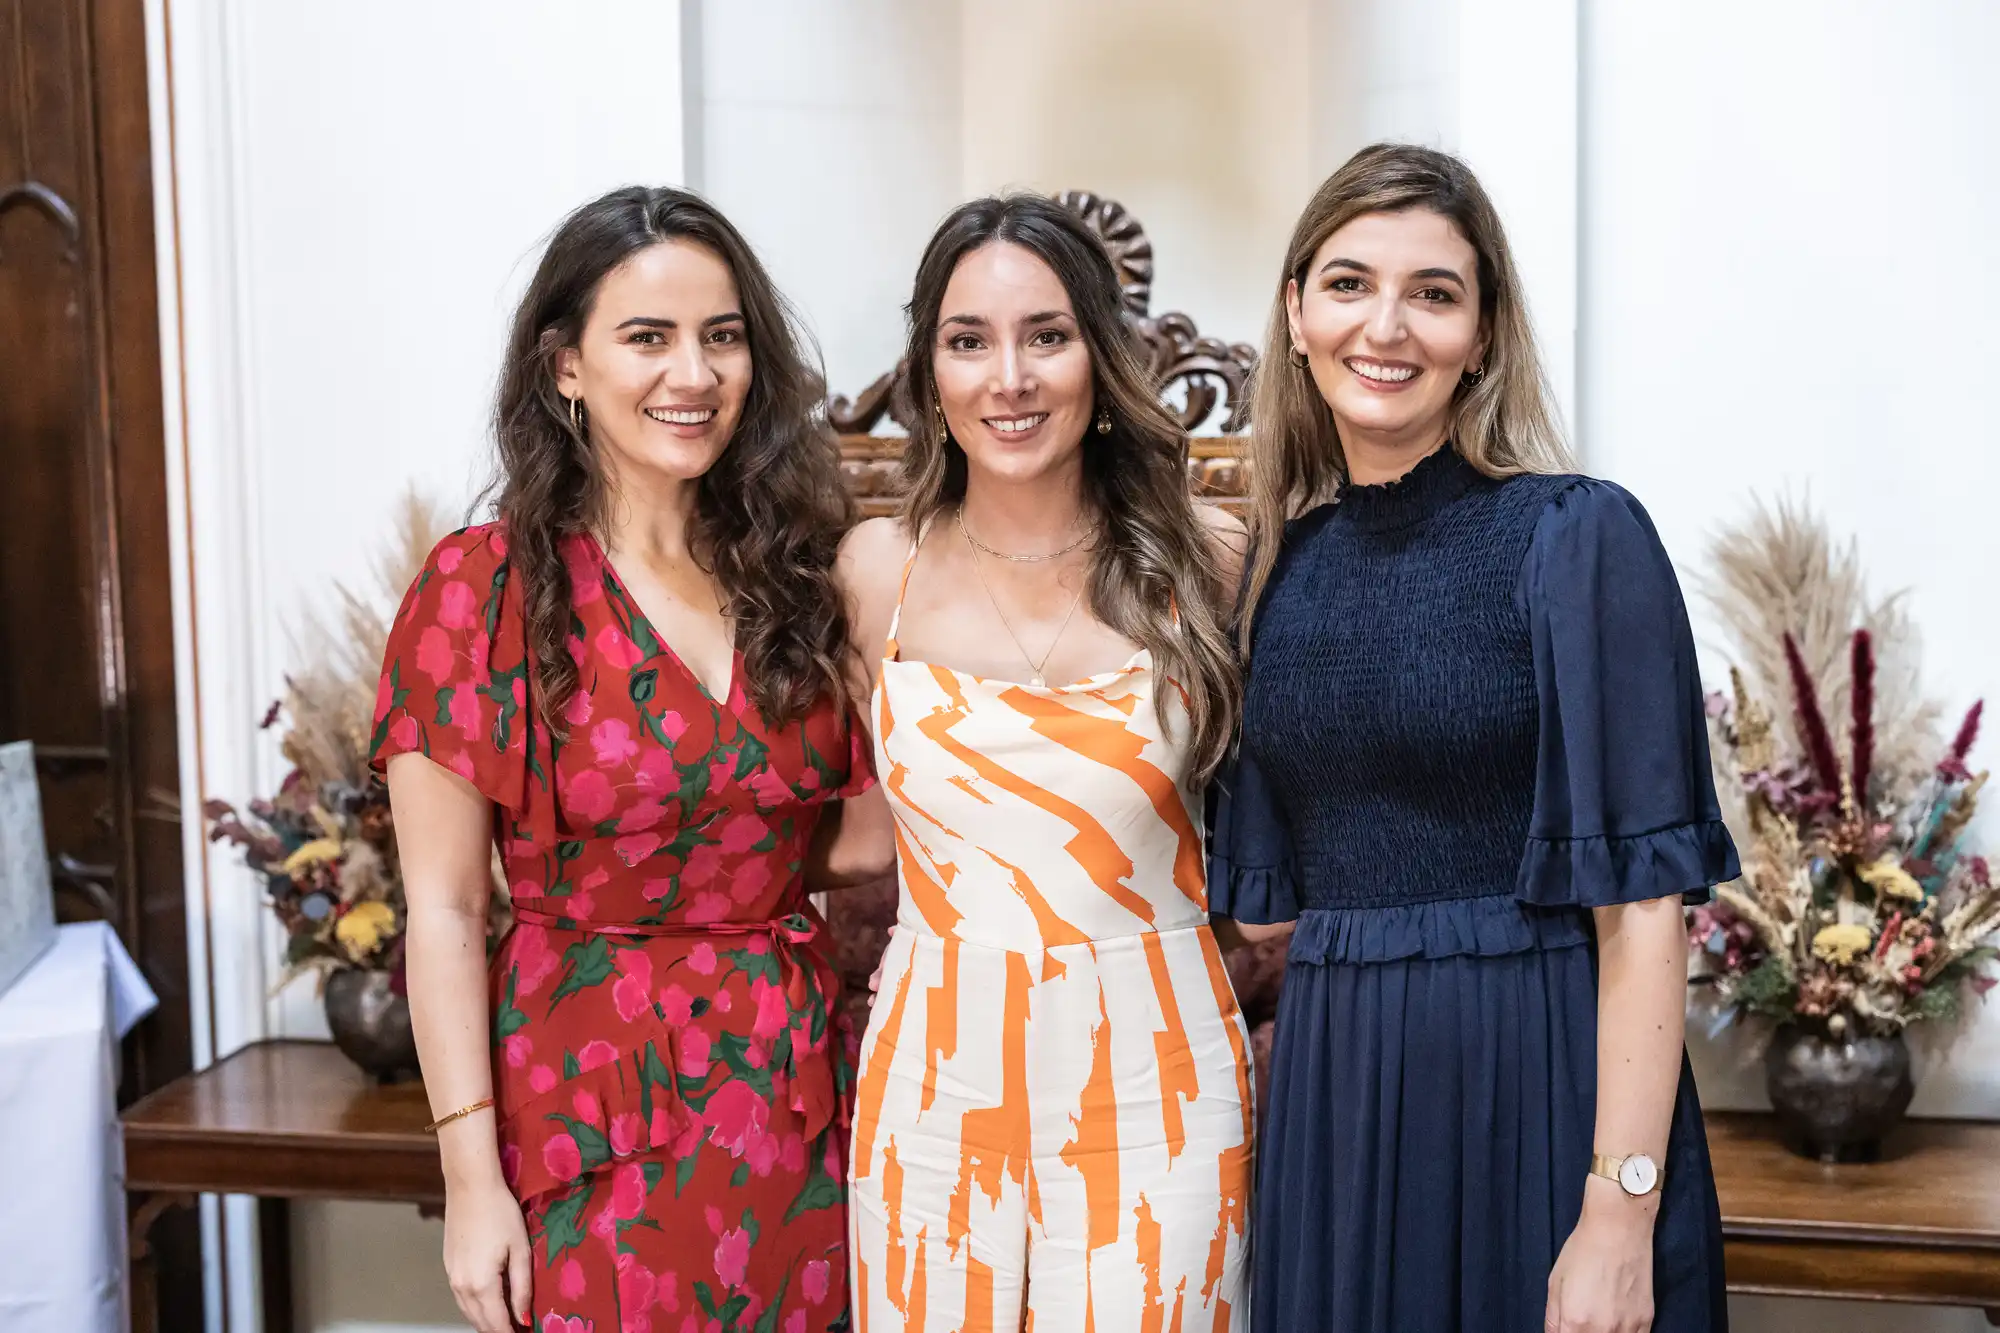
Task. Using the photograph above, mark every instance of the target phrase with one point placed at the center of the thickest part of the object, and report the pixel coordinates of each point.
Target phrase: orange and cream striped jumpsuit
(1053, 1128)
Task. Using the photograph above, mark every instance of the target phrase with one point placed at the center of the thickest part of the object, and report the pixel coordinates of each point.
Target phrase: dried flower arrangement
(325, 844)
(1860, 911)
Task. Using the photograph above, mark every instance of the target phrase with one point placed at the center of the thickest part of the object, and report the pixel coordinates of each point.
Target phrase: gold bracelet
(443, 1120)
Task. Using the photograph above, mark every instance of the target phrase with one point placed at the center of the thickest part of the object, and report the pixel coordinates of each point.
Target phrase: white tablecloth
(62, 1169)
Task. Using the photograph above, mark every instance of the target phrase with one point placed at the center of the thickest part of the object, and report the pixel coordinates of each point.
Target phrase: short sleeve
(860, 759)
(1625, 808)
(454, 684)
(1250, 868)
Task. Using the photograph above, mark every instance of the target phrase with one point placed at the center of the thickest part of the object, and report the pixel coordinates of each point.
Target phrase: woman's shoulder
(869, 570)
(1576, 500)
(872, 555)
(1590, 533)
(1229, 540)
(458, 578)
(477, 550)
(1220, 521)
(874, 538)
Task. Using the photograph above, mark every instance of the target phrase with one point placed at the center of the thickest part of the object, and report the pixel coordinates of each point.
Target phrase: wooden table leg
(143, 1285)
(274, 1246)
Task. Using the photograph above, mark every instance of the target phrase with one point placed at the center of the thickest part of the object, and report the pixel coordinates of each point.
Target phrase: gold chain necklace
(1018, 559)
(1039, 676)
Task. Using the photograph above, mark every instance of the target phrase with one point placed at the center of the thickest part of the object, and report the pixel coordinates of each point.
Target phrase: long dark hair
(768, 516)
(1154, 575)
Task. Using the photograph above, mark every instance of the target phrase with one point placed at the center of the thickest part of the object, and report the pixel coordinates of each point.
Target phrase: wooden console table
(280, 1120)
(1921, 1226)
(294, 1120)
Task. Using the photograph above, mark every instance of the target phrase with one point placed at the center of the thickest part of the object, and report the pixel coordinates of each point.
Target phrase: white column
(1382, 70)
(1517, 127)
(1494, 81)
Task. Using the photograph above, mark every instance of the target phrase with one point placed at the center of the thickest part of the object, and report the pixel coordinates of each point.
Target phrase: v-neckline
(727, 699)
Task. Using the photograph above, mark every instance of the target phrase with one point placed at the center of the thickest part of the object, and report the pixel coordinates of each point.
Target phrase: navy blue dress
(1472, 714)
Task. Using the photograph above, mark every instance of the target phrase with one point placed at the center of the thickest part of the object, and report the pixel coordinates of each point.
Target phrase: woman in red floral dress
(633, 680)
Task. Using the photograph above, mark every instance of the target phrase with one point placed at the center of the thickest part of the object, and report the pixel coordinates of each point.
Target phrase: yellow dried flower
(1888, 878)
(361, 928)
(319, 849)
(1754, 750)
(1840, 945)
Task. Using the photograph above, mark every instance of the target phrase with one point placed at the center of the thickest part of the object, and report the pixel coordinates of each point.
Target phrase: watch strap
(1603, 1164)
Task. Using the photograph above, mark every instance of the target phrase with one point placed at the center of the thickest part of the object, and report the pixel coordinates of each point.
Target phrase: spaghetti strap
(891, 649)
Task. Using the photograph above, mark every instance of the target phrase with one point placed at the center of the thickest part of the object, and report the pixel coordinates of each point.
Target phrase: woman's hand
(1603, 1279)
(875, 977)
(486, 1256)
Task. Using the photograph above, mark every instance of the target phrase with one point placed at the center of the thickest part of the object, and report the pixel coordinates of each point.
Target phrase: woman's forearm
(1232, 934)
(448, 1010)
(854, 843)
(1641, 1008)
(445, 838)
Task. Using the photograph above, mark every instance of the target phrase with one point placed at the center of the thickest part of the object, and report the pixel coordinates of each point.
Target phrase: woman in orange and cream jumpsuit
(1053, 1119)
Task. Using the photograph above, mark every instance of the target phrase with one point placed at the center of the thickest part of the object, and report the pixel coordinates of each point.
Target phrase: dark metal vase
(371, 1024)
(1837, 1098)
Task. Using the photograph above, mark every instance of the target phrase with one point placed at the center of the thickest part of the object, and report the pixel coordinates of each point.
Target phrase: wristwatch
(1637, 1175)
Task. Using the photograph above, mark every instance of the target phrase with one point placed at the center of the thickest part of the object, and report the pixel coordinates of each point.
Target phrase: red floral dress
(670, 1069)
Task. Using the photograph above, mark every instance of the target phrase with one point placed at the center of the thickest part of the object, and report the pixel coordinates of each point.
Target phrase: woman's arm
(444, 833)
(1229, 538)
(1233, 934)
(1641, 1013)
(1603, 1281)
(855, 843)
(856, 840)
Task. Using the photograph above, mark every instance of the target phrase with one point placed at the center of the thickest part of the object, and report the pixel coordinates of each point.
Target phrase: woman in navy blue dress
(1474, 769)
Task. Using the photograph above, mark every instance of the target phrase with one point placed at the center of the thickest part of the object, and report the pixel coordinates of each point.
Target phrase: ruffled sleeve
(1625, 807)
(1250, 874)
(454, 682)
(860, 759)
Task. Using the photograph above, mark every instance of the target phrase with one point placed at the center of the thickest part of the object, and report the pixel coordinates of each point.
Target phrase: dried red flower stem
(1863, 730)
(1954, 767)
(1812, 721)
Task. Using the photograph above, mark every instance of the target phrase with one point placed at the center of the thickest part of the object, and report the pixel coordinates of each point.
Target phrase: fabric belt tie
(806, 980)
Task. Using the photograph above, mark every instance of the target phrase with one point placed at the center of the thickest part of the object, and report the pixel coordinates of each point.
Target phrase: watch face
(1638, 1174)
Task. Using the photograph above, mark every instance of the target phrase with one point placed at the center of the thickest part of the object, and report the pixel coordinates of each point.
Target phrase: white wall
(837, 136)
(350, 198)
(1494, 81)
(1788, 282)
(829, 133)
(1193, 115)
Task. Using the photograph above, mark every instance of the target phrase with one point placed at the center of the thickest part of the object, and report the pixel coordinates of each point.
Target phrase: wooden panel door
(86, 618)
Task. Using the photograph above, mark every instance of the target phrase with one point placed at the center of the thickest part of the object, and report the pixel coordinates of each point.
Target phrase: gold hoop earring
(943, 427)
(1297, 358)
(1472, 379)
(1104, 422)
(576, 419)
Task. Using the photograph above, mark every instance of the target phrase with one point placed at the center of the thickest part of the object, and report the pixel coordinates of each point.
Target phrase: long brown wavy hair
(768, 516)
(1502, 426)
(1154, 556)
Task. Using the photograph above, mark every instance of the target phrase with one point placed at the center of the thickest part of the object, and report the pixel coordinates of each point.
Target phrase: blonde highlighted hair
(1502, 425)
